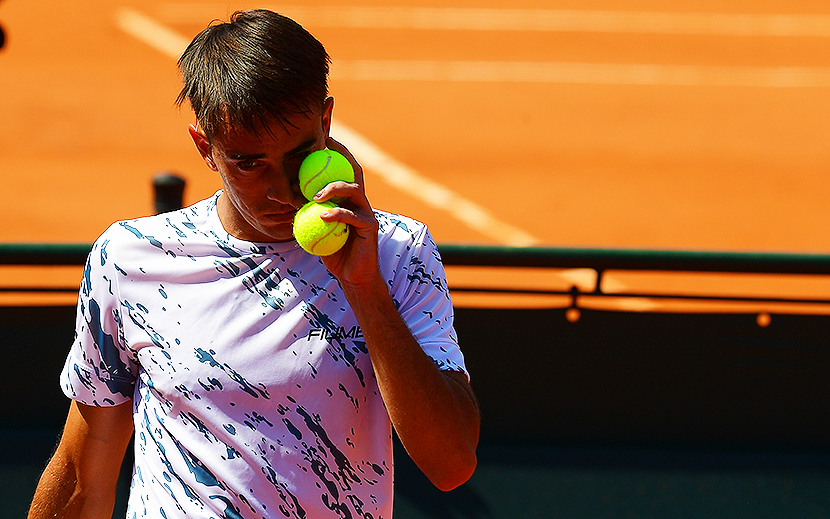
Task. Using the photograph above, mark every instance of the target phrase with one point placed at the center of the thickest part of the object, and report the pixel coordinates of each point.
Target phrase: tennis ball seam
(308, 227)
(329, 232)
(317, 175)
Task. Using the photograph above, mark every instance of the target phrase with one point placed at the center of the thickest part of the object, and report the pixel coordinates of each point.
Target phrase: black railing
(602, 260)
(543, 257)
(636, 259)
(43, 253)
(599, 260)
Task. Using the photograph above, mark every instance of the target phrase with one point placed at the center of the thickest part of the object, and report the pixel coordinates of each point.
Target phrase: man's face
(259, 173)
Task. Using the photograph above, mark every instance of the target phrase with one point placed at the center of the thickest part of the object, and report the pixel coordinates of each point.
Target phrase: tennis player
(259, 381)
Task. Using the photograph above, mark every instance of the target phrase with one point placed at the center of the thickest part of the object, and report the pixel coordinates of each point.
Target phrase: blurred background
(642, 123)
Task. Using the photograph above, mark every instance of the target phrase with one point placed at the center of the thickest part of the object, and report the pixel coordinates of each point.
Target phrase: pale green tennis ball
(322, 167)
(316, 236)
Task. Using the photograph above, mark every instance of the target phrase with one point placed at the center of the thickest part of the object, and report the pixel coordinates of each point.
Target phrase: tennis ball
(316, 236)
(322, 167)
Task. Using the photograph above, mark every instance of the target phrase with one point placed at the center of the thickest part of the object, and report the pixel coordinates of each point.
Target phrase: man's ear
(328, 108)
(203, 145)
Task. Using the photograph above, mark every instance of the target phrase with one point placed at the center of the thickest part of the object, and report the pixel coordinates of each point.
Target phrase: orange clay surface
(87, 118)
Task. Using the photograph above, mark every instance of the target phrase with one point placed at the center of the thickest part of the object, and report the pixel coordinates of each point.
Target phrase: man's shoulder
(404, 237)
(392, 223)
(160, 230)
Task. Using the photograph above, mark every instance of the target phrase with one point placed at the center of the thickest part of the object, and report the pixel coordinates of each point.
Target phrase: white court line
(372, 158)
(147, 30)
(547, 20)
(587, 73)
(430, 192)
(171, 43)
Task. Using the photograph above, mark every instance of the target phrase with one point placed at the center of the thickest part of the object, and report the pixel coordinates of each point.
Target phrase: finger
(348, 217)
(341, 192)
(333, 144)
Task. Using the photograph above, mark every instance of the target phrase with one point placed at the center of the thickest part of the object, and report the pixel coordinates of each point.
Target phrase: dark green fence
(599, 260)
(616, 414)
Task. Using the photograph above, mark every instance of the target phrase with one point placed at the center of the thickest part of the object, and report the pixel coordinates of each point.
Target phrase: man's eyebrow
(245, 156)
(303, 146)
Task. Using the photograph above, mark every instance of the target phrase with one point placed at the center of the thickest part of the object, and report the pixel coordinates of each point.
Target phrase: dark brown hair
(259, 66)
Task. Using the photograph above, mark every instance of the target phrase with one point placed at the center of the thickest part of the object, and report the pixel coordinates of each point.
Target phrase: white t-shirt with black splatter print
(253, 392)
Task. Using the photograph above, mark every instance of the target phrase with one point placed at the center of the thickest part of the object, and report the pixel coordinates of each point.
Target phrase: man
(260, 381)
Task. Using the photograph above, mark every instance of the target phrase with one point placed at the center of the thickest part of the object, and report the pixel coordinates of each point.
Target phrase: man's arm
(80, 479)
(434, 412)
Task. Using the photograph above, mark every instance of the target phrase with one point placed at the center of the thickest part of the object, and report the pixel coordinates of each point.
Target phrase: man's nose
(282, 189)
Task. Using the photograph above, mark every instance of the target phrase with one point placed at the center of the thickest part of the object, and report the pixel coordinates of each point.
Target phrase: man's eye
(247, 164)
(299, 157)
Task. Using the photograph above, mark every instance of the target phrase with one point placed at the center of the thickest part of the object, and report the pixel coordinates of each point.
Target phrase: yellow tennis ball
(322, 167)
(316, 236)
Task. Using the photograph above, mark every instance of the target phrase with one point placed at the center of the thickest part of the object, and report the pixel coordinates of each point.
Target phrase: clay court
(691, 126)
(642, 124)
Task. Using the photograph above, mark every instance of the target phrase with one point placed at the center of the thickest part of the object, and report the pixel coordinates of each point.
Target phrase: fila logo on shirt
(339, 334)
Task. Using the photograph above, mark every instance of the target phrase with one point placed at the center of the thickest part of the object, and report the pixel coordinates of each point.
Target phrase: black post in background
(168, 189)
(2, 36)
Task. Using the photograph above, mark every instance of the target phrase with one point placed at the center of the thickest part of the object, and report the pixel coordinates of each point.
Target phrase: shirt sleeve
(419, 290)
(100, 370)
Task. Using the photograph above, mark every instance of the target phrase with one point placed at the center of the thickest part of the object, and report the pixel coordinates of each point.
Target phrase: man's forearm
(57, 493)
(79, 480)
(434, 412)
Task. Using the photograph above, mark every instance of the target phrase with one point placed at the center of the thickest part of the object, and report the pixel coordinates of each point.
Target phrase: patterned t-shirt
(253, 391)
